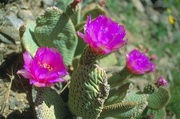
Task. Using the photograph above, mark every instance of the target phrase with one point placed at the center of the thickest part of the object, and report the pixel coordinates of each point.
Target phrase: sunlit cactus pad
(88, 91)
(49, 105)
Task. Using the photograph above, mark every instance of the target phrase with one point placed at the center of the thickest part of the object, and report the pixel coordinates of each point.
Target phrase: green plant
(90, 96)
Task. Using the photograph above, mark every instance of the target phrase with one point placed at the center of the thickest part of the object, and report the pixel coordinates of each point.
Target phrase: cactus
(90, 95)
(118, 108)
(117, 95)
(28, 39)
(49, 105)
(52, 29)
(55, 29)
(131, 106)
(88, 56)
(140, 99)
(159, 99)
(88, 88)
(88, 91)
(150, 88)
(120, 77)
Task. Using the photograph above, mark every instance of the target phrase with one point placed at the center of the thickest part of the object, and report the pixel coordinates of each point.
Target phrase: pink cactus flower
(103, 35)
(161, 81)
(45, 69)
(138, 63)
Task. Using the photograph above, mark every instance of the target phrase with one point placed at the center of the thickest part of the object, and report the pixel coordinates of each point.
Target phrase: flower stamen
(46, 66)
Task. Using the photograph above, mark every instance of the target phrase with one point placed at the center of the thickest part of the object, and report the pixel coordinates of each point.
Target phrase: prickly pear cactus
(49, 105)
(117, 95)
(130, 107)
(88, 88)
(117, 108)
(88, 91)
(89, 56)
(141, 100)
(28, 39)
(150, 88)
(55, 29)
(159, 99)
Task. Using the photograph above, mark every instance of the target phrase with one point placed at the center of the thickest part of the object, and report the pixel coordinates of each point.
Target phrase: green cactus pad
(117, 95)
(119, 78)
(150, 88)
(140, 99)
(49, 105)
(28, 38)
(88, 91)
(55, 29)
(115, 109)
(159, 99)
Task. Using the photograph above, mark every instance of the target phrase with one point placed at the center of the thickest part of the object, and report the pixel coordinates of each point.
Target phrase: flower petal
(103, 34)
(45, 69)
(27, 59)
(138, 63)
(24, 73)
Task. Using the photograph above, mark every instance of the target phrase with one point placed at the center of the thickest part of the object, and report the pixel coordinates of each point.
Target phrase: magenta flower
(138, 63)
(103, 35)
(45, 69)
(161, 81)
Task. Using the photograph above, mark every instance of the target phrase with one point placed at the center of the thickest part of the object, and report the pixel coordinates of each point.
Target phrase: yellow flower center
(46, 66)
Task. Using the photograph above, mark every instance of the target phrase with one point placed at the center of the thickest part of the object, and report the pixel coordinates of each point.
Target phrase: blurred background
(153, 26)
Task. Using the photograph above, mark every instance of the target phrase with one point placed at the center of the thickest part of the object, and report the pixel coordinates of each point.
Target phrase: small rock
(13, 94)
(12, 106)
(48, 3)
(153, 15)
(25, 15)
(138, 5)
(16, 22)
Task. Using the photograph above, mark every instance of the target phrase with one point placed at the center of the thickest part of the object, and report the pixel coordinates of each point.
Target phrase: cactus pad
(49, 105)
(150, 88)
(159, 99)
(28, 38)
(55, 29)
(115, 109)
(88, 91)
(117, 95)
